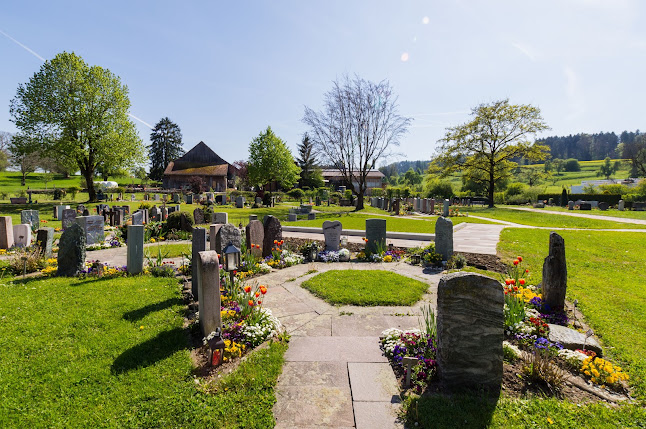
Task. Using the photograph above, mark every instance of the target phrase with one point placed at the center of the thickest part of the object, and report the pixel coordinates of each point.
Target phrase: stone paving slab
(321, 326)
(329, 374)
(313, 406)
(373, 382)
(376, 415)
(370, 325)
(294, 322)
(334, 349)
(477, 238)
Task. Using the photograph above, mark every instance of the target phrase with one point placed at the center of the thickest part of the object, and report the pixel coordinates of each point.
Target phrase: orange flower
(259, 302)
(522, 282)
(516, 262)
(263, 290)
(520, 259)
(247, 288)
(275, 241)
(527, 271)
(250, 303)
(219, 256)
(235, 272)
(507, 282)
(513, 281)
(257, 294)
(282, 242)
(515, 288)
(506, 291)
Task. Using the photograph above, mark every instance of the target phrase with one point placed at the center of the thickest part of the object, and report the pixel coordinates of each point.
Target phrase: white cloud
(526, 50)
(574, 93)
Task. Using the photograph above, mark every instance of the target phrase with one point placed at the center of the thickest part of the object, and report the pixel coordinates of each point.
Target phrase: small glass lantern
(216, 348)
(231, 257)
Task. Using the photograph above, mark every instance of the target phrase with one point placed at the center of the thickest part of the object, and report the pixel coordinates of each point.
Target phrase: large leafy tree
(486, 147)
(310, 173)
(608, 168)
(270, 160)
(358, 125)
(78, 114)
(165, 146)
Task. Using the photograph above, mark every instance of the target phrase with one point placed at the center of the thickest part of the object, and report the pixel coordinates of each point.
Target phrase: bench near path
(335, 375)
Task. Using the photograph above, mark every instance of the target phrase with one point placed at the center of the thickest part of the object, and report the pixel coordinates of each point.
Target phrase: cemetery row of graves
(541, 331)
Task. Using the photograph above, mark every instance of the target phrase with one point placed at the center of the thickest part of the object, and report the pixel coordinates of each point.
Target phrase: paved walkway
(585, 215)
(335, 374)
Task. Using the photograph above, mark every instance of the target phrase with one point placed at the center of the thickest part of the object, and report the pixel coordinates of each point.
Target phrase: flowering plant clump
(328, 256)
(103, 269)
(283, 259)
(398, 344)
(603, 373)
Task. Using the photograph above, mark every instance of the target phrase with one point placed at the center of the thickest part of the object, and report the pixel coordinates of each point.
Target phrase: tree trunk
(491, 187)
(22, 179)
(359, 201)
(89, 180)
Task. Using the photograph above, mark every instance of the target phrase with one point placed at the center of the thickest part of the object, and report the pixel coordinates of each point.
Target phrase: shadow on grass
(148, 353)
(465, 410)
(142, 312)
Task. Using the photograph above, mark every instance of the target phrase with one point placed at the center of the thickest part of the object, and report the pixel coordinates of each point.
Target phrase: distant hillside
(588, 147)
(402, 167)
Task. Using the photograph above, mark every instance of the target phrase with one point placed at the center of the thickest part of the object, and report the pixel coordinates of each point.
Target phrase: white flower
(344, 252)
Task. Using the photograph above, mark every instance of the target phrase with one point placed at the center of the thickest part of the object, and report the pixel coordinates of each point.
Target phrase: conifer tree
(165, 146)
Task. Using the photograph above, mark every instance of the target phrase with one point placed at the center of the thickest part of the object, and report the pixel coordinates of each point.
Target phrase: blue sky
(223, 71)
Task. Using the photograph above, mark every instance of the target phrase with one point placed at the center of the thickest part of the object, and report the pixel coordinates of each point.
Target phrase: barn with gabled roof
(201, 162)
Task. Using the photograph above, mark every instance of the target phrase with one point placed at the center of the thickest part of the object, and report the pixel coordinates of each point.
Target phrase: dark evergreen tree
(310, 173)
(165, 146)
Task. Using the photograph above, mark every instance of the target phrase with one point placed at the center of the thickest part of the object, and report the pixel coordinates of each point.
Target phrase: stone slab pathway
(335, 374)
(585, 215)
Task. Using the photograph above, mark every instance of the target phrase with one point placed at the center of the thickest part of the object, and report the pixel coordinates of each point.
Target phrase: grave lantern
(231, 255)
(216, 348)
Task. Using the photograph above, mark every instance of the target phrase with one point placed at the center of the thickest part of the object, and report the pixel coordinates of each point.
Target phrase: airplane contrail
(141, 120)
(43, 59)
(22, 46)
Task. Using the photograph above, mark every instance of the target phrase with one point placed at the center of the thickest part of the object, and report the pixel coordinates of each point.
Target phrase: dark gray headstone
(444, 238)
(30, 217)
(240, 202)
(292, 217)
(198, 245)
(585, 206)
(184, 223)
(570, 205)
(445, 208)
(68, 218)
(189, 198)
(135, 252)
(396, 207)
(228, 233)
(311, 216)
(273, 231)
(45, 241)
(164, 214)
(555, 274)
(93, 227)
(198, 216)
(137, 218)
(220, 217)
(603, 205)
(332, 233)
(154, 214)
(255, 234)
(470, 328)
(71, 251)
(432, 209)
(375, 234)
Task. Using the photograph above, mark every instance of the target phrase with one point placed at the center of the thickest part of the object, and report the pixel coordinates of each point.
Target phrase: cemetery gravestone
(445, 210)
(555, 274)
(154, 214)
(396, 207)
(189, 198)
(311, 216)
(375, 234)
(59, 211)
(273, 231)
(240, 202)
(164, 214)
(6, 232)
(292, 217)
(135, 249)
(68, 218)
(253, 217)
(603, 205)
(585, 206)
(137, 219)
(208, 271)
(71, 251)
(45, 241)
(213, 232)
(469, 355)
(332, 233)
(258, 201)
(220, 217)
(30, 217)
(432, 205)
(444, 238)
(198, 216)
(132, 197)
(198, 245)
(425, 205)
(570, 205)
(22, 235)
(620, 206)
(255, 235)
(227, 234)
(93, 228)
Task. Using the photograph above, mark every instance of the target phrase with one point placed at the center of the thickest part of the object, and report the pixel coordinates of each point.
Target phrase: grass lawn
(365, 287)
(114, 353)
(627, 214)
(549, 219)
(393, 223)
(605, 273)
(168, 250)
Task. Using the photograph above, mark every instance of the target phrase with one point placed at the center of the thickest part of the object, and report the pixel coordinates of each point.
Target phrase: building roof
(333, 173)
(199, 161)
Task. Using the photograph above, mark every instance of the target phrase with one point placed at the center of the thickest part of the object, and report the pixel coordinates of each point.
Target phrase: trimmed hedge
(608, 198)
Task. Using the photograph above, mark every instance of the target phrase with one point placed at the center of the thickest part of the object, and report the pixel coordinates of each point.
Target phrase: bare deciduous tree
(357, 126)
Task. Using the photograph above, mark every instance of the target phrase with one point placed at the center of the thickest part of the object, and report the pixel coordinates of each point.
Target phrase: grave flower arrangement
(398, 344)
(282, 258)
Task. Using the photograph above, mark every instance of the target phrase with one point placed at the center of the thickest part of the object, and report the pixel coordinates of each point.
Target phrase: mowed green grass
(626, 214)
(549, 219)
(605, 273)
(10, 182)
(168, 250)
(114, 353)
(365, 288)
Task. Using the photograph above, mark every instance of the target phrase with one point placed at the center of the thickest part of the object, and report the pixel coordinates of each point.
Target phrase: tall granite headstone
(198, 216)
(71, 251)
(137, 218)
(470, 329)
(444, 237)
(30, 217)
(620, 205)
(273, 231)
(220, 217)
(69, 217)
(332, 233)
(45, 241)
(93, 227)
(555, 274)
(198, 245)
(227, 234)
(255, 235)
(240, 202)
(445, 209)
(6, 232)
(375, 234)
(208, 273)
(135, 252)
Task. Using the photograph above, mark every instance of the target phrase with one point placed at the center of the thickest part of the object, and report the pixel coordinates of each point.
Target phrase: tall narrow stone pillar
(135, 249)
(209, 291)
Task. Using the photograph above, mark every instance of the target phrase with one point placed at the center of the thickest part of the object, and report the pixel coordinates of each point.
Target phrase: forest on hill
(589, 147)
